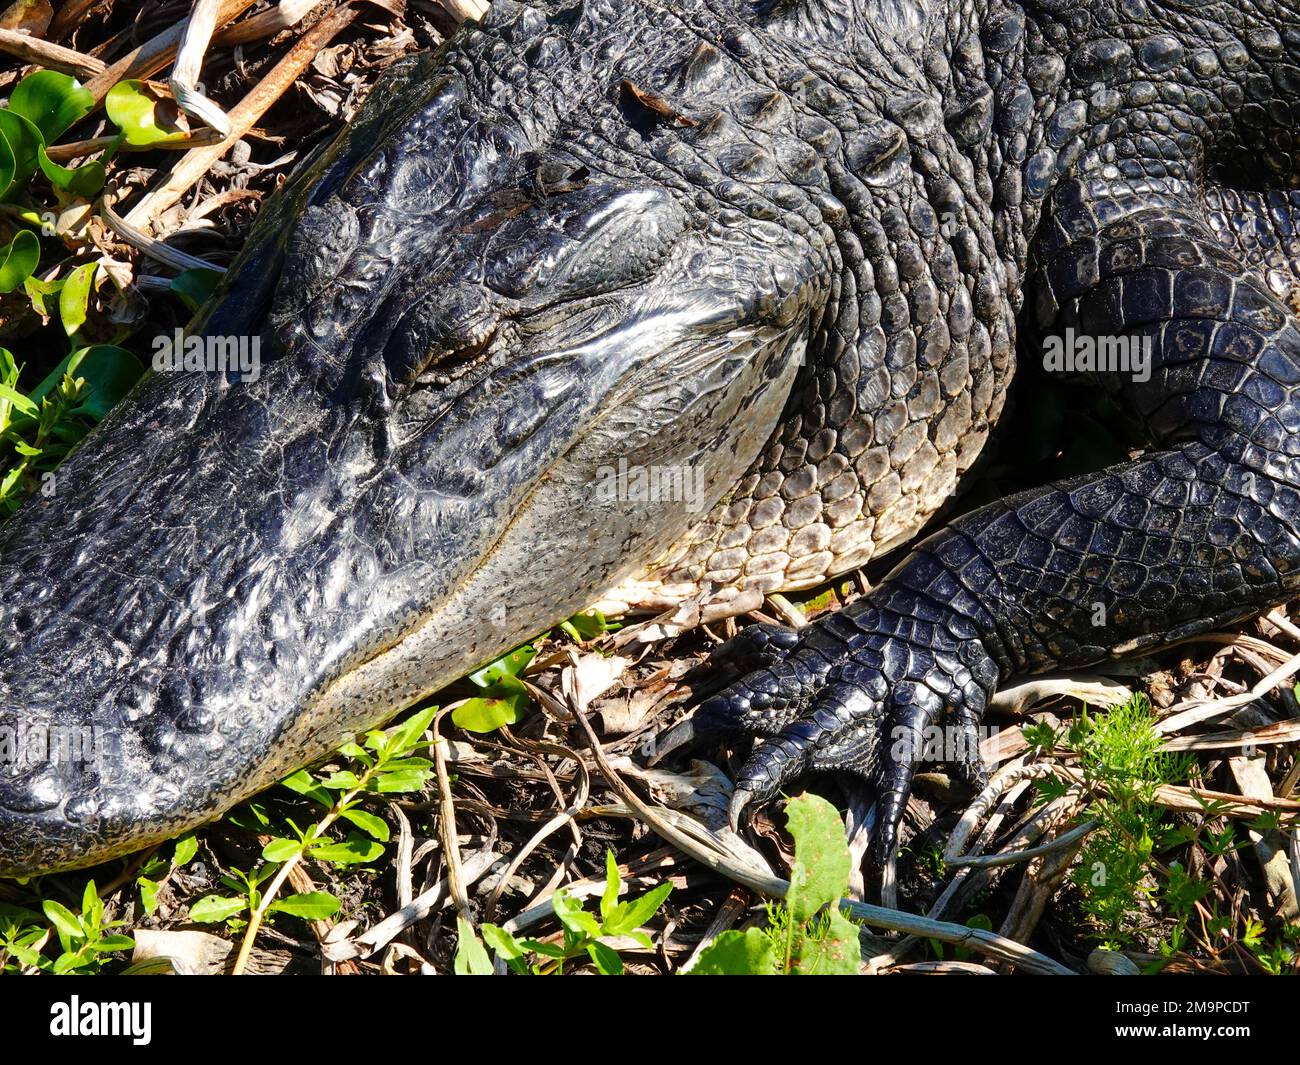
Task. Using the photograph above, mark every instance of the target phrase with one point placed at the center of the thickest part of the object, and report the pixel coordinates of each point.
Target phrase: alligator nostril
(23, 620)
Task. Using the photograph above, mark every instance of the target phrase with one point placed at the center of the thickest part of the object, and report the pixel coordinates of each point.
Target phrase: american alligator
(788, 246)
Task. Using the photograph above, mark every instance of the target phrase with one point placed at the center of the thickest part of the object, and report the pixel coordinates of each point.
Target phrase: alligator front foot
(868, 691)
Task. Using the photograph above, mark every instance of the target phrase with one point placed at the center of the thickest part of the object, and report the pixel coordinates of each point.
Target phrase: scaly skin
(1133, 128)
(784, 245)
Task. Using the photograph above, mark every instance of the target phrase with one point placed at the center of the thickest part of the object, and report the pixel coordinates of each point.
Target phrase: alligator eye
(442, 338)
(447, 364)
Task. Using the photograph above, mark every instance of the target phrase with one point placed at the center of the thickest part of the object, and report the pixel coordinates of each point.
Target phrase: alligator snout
(468, 314)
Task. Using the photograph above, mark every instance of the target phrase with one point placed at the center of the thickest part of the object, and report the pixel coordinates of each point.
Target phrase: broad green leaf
(340, 781)
(313, 906)
(510, 665)
(351, 851)
(85, 181)
(835, 952)
(281, 850)
(606, 958)
(629, 916)
(52, 101)
(110, 373)
(133, 108)
(213, 908)
(471, 958)
(63, 919)
(733, 953)
(18, 259)
(821, 856)
(488, 714)
(369, 823)
(587, 626)
(74, 298)
(612, 884)
(195, 285)
(8, 165)
(23, 139)
(571, 914)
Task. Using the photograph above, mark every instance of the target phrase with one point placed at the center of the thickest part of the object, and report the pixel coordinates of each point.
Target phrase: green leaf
(303, 783)
(609, 899)
(401, 781)
(626, 917)
(19, 401)
(92, 906)
(52, 101)
(40, 293)
(588, 625)
(410, 732)
(74, 298)
(23, 139)
(63, 919)
(213, 908)
(8, 165)
(571, 914)
(834, 949)
(133, 108)
(821, 856)
(85, 181)
(606, 958)
(313, 906)
(546, 950)
(195, 285)
(186, 848)
(148, 894)
(281, 850)
(733, 953)
(471, 958)
(18, 259)
(352, 851)
(501, 941)
(340, 781)
(111, 943)
(369, 823)
(507, 666)
(110, 373)
(491, 712)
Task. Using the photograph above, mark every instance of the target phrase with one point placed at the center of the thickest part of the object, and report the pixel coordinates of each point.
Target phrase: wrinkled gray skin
(783, 245)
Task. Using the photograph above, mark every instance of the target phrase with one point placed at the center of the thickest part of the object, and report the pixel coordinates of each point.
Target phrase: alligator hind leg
(1201, 531)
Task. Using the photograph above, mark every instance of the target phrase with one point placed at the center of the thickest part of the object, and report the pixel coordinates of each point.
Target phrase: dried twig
(184, 81)
(51, 56)
(729, 859)
(195, 163)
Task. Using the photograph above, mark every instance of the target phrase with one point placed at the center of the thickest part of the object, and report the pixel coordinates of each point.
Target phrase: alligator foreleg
(1202, 530)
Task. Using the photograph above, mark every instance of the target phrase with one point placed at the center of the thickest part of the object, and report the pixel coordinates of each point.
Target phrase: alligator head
(501, 286)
